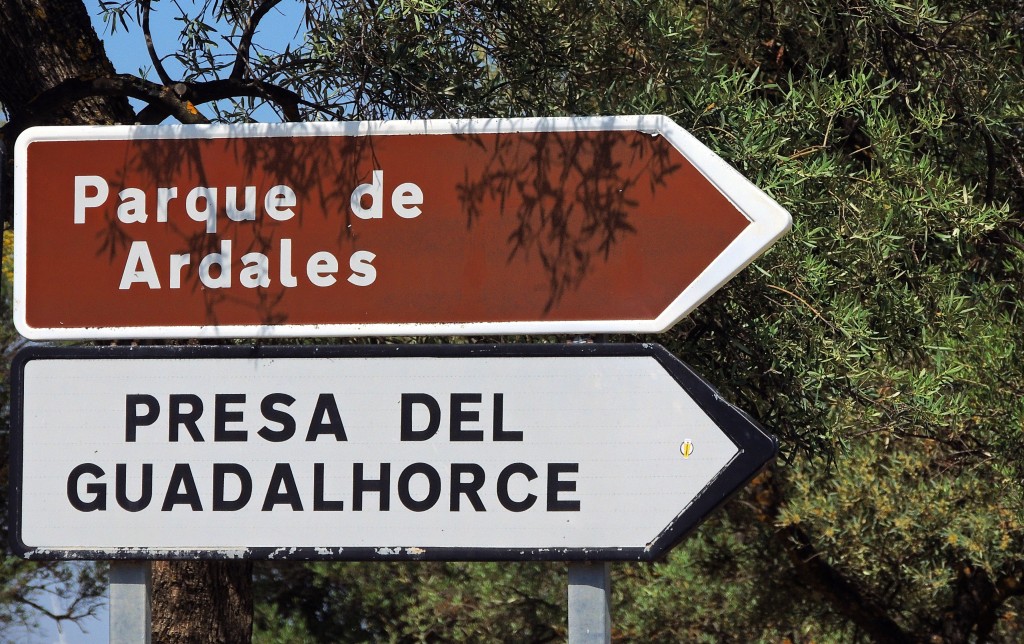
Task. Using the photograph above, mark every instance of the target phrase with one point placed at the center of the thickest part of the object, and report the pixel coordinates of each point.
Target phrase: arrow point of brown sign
(766, 220)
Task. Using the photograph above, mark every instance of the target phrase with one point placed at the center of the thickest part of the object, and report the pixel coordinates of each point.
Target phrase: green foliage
(729, 583)
(880, 340)
(877, 339)
(411, 602)
(882, 332)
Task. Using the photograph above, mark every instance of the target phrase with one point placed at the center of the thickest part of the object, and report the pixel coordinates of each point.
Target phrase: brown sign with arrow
(417, 227)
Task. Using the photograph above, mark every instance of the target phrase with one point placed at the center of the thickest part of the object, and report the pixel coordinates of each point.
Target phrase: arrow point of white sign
(754, 449)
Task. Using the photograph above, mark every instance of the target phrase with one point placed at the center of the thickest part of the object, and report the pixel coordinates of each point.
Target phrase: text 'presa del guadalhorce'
(317, 482)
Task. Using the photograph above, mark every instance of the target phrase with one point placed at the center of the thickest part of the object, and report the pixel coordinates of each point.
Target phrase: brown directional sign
(387, 228)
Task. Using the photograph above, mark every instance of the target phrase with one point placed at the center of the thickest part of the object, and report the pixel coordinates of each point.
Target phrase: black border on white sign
(756, 448)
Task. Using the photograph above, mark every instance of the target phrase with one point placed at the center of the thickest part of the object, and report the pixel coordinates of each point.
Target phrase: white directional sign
(559, 452)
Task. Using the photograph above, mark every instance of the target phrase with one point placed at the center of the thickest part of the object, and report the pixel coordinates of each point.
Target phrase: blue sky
(90, 631)
(127, 48)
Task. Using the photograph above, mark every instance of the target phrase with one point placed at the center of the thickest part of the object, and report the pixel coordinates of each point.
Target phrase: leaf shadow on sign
(572, 195)
(564, 200)
(311, 170)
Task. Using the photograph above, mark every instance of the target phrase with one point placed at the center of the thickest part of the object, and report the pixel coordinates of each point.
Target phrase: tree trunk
(202, 602)
(44, 43)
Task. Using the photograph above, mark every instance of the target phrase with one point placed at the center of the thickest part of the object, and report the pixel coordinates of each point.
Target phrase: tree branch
(75, 89)
(1011, 241)
(220, 89)
(157, 63)
(975, 606)
(71, 614)
(990, 159)
(245, 42)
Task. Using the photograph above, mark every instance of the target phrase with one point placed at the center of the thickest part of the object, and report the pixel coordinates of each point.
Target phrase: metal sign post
(131, 588)
(590, 614)
(590, 589)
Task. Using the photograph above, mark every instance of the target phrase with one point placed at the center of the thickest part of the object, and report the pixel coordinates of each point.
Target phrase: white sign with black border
(441, 452)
